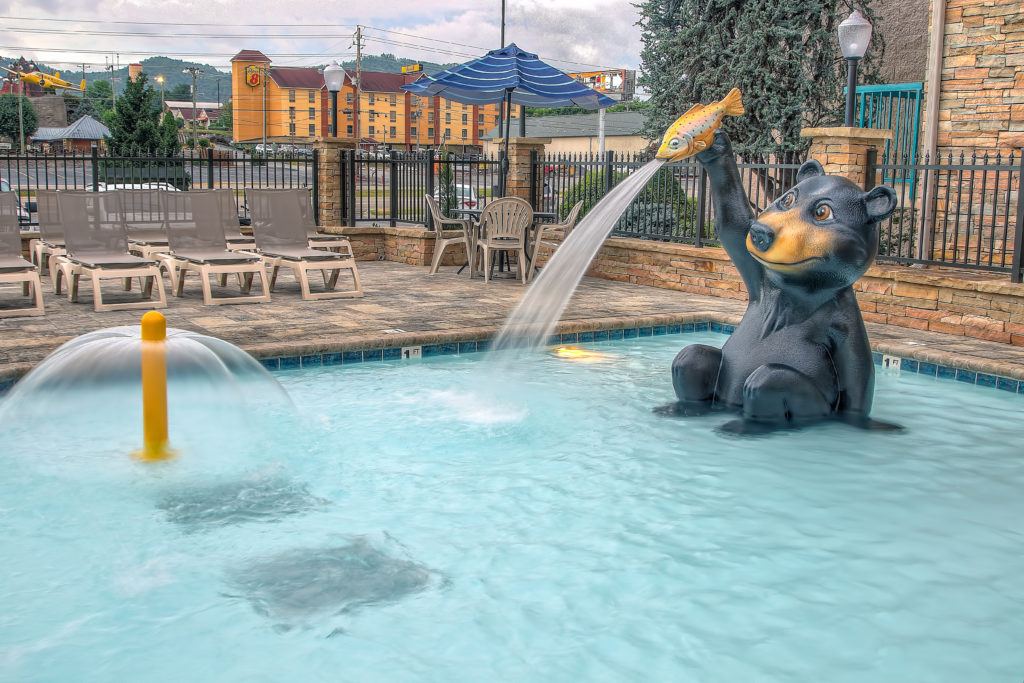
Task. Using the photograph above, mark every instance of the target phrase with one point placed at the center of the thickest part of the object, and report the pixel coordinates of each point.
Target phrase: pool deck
(403, 306)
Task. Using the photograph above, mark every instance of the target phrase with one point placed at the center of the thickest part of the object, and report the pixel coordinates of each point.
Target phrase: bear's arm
(851, 354)
(732, 210)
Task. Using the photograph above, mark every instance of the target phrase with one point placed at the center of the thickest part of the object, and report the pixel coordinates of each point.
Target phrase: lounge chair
(440, 241)
(14, 268)
(504, 226)
(320, 240)
(145, 220)
(232, 232)
(196, 242)
(51, 232)
(281, 236)
(97, 246)
(566, 227)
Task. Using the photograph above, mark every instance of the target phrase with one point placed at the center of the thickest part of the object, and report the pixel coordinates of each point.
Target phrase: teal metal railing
(896, 107)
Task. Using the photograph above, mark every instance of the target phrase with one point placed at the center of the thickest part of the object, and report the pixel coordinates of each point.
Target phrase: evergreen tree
(182, 92)
(226, 117)
(100, 97)
(135, 123)
(9, 122)
(170, 143)
(784, 56)
(78, 106)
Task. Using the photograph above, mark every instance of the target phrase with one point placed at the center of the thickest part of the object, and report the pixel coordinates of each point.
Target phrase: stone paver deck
(404, 306)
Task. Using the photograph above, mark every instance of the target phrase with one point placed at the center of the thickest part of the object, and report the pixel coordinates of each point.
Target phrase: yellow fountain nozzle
(154, 326)
(154, 388)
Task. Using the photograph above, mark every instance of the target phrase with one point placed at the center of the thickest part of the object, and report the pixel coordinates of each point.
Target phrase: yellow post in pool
(154, 388)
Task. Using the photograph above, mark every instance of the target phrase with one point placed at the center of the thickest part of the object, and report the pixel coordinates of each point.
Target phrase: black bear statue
(800, 354)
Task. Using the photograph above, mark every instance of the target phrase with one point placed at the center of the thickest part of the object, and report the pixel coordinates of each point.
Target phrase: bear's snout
(762, 236)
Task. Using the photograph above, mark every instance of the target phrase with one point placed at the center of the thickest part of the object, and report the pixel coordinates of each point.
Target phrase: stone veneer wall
(981, 105)
(958, 304)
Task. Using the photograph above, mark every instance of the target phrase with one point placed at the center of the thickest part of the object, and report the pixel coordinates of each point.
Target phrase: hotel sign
(253, 76)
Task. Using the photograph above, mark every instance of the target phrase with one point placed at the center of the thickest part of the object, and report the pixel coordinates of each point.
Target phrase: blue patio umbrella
(509, 76)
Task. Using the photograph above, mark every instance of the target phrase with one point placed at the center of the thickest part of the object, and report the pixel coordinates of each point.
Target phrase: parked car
(24, 218)
(106, 187)
(465, 197)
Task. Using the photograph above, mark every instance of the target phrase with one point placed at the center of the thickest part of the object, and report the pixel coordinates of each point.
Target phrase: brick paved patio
(404, 306)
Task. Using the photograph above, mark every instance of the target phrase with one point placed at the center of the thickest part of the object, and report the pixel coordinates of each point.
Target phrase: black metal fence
(674, 206)
(960, 211)
(27, 173)
(389, 190)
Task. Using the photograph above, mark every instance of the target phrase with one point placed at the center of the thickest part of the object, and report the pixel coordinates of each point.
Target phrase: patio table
(473, 227)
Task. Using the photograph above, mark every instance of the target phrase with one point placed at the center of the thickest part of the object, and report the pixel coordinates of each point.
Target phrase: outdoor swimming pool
(436, 521)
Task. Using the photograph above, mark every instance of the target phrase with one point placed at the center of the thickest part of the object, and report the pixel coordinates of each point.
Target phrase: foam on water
(538, 312)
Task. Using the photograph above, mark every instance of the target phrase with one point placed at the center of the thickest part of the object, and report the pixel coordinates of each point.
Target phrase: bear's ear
(809, 169)
(880, 203)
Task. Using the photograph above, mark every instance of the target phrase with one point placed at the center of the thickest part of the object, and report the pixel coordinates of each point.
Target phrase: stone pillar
(844, 150)
(518, 183)
(328, 178)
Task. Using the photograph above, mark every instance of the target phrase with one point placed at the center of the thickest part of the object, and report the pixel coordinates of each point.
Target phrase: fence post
(702, 205)
(95, 168)
(870, 168)
(430, 187)
(609, 158)
(1017, 271)
(316, 185)
(393, 190)
(352, 187)
(533, 179)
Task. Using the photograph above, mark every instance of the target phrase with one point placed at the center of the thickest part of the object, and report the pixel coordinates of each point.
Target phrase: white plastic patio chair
(441, 243)
(566, 227)
(504, 226)
(13, 267)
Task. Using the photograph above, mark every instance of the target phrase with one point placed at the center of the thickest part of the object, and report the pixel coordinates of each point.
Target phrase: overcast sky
(599, 32)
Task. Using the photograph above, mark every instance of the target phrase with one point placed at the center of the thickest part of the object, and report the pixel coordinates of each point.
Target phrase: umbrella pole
(508, 132)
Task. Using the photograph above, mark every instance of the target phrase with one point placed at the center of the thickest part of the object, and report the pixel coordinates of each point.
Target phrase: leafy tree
(226, 117)
(182, 92)
(135, 124)
(9, 125)
(100, 96)
(784, 56)
(78, 106)
(170, 143)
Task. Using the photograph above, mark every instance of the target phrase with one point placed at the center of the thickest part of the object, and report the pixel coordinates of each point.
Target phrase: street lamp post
(854, 37)
(160, 79)
(334, 76)
(196, 73)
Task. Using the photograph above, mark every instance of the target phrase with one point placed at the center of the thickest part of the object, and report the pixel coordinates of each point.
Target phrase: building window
(371, 131)
(291, 113)
(348, 129)
(393, 117)
(480, 133)
(463, 132)
(465, 119)
(448, 117)
(291, 129)
(447, 104)
(448, 133)
(312, 112)
(348, 98)
(370, 99)
(394, 133)
(430, 132)
(312, 96)
(312, 129)
(430, 117)
(392, 101)
(291, 95)
(480, 118)
(412, 131)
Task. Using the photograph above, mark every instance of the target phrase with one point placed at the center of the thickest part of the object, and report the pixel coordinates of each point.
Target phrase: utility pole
(195, 73)
(263, 80)
(359, 82)
(21, 115)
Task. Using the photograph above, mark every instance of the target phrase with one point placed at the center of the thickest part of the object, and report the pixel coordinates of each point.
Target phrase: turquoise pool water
(436, 521)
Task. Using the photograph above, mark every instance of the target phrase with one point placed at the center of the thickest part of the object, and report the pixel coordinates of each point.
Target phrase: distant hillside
(215, 85)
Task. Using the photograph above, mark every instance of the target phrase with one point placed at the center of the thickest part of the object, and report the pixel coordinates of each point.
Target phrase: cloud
(595, 32)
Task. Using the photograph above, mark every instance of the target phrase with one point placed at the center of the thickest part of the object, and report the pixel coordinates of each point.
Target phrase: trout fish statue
(695, 130)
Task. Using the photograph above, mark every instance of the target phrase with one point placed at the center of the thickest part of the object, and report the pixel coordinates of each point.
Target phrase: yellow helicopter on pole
(45, 80)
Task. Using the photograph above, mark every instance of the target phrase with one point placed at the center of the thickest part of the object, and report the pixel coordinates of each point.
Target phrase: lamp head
(334, 76)
(854, 35)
